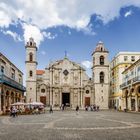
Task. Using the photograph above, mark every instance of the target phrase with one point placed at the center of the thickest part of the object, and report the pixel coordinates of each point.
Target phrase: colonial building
(119, 63)
(66, 82)
(131, 87)
(11, 84)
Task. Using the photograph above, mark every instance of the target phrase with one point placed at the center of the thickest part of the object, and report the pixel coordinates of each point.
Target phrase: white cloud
(49, 35)
(32, 31)
(43, 52)
(87, 64)
(42, 14)
(128, 13)
(15, 36)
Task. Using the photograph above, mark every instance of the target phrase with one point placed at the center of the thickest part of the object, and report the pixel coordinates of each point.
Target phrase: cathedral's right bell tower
(31, 66)
(100, 72)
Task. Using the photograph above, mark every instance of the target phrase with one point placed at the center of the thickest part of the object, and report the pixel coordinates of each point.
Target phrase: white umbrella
(17, 104)
(35, 103)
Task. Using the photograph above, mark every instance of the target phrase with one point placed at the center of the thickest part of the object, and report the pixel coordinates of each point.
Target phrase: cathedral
(66, 82)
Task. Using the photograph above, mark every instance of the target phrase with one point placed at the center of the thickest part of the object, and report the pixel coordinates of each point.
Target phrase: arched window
(42, 90)
(30, 57)
(101, 49)
(101, 60)
(101, 77)
(93, 76)
(31, 73)
(93, 60)
(30, 43)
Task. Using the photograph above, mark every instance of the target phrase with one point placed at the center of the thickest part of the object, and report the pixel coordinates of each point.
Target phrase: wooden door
(43, 99)
(87, 101)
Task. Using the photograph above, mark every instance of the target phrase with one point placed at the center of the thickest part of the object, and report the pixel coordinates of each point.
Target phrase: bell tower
(31, 66)
(100, 73)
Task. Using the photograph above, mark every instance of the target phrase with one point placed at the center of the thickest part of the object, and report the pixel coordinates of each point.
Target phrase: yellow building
(119, 63)
(131, 87)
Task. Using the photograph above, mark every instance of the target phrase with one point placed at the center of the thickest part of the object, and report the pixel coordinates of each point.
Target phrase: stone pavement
(67, 125)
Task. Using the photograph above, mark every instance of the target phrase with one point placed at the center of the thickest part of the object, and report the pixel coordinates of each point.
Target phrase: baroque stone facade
(66, 82)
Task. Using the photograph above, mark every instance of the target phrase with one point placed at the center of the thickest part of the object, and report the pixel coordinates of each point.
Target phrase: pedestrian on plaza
(86, 108)
(97, 108)
(63, 107)
(77, 109)
(11, 108)
(51, 110)
(13, 111)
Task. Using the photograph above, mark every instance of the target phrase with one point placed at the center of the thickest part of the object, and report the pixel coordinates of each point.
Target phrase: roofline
(62, 60)
(124, 53)
(133, 64)
(11, 62)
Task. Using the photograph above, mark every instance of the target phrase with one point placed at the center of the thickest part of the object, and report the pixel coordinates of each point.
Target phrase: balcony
(136, 79)
(8, 81)
(130, 82)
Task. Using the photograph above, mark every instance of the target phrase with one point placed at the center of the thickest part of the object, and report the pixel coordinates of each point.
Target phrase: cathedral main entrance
(66, 99)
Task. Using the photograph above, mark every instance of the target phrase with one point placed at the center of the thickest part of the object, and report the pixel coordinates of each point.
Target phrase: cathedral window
(101, 77)
(42, 90)
(101, 49)
(87, 91)
(30, 57)
(65, 72)
(30, 43)
(93, 60)
(31, 73)
(101, 60)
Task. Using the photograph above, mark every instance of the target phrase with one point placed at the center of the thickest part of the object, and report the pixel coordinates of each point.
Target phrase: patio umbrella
(17, 104)
(35, 104)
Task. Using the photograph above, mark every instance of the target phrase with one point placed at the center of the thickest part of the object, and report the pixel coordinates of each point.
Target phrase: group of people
(92, 108)
(13, 111)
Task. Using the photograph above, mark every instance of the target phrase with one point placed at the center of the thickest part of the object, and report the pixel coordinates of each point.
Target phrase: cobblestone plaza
(106, 125)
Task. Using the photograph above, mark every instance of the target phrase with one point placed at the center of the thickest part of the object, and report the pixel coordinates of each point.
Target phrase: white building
(66, 82)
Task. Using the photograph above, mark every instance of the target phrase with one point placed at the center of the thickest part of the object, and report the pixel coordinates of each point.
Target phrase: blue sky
(72, 26)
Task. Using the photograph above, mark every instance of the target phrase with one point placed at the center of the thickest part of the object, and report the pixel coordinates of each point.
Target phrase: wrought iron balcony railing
(6, 80)
(130, 82)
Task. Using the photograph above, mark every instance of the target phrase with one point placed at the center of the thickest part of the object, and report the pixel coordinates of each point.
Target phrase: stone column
(78, 98)
(136, 102)
(14, 100)
(51, 96)
(81, 98)
(4, 103)
(60, 97)
(129, 102)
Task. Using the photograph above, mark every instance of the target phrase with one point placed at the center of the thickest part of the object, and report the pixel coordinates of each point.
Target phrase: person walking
(51, 110)
(77, 110)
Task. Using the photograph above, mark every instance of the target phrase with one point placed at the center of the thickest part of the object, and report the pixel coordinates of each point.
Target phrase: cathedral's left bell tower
(31, 66)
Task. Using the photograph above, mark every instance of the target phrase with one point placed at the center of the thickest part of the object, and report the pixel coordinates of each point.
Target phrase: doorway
(66, 99)
(87, 101)
(43, 99)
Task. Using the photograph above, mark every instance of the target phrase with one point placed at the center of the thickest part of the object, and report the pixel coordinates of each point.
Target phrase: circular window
(87, 91)
(65, 72)
(43, 90)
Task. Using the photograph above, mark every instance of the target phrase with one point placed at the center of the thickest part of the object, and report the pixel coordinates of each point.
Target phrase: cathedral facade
(66, 82)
